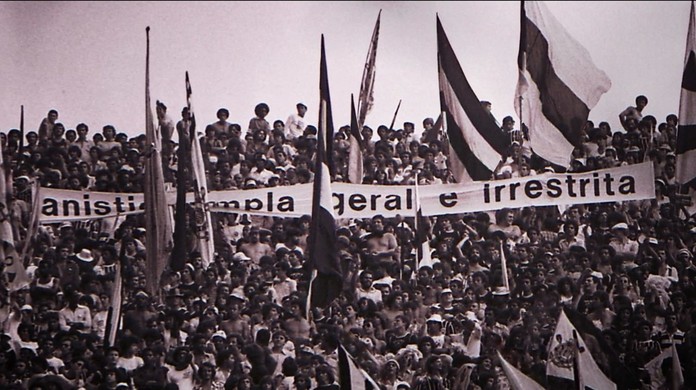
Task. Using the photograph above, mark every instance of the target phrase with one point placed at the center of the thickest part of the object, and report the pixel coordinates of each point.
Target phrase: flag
(503, 266)
(558, 84)
(14, 274)
(602, 352)
(157, 228)
(569, 358)
(355, 159)
(655, 368)
(476, 142)
(366, 98)
(686, 131)
(350, 376)
(515, 377)
(113, 321)
(423, 250)
(204, 226)
(327, 279)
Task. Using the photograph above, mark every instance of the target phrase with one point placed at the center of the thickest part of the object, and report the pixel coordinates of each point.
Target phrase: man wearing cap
(135, 320)
(625, 247)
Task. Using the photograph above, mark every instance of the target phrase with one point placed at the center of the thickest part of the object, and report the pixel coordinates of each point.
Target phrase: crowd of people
(241, 321)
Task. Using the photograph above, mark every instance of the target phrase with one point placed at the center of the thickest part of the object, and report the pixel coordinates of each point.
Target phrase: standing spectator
(295, 124)
(633, 112)
(46, 127)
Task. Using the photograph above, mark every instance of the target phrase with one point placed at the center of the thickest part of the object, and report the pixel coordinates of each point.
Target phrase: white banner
(632, 182)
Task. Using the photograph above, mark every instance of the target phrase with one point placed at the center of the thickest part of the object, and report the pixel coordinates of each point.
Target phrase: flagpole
(391, 127)
(21, 131)
(576, 362)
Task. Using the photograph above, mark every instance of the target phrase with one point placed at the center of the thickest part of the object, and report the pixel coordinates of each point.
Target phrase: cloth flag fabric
(366, 98)
(350, 376)
(14, 274)
(517, 379)
(602, 352)
(355, 158)
(423, 250)
(327, 280)
(558, 84)
(204, 225)
(476, 141)
(686, 131)
(655, 368)
(114, 318)
(570, 359)
(503, 267)
(157, 227)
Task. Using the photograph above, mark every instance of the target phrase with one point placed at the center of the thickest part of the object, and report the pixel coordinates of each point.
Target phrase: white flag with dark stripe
(569, 358)
(516, 378)
(476, 141)
(323, 256)
(203, 220)
(558, 84)
(686, 132)
(350, 376)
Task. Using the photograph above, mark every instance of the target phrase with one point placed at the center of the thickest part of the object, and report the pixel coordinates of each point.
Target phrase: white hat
(85, 255)
(620, 225)
(26, 307)
(241, 256)
(501, 290)
(219, 333)
(435, 318)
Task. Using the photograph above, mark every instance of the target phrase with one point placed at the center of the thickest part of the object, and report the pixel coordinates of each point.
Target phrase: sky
(87, 59)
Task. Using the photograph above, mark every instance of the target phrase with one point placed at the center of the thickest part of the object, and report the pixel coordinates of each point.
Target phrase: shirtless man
(254, 248)
(382, 246)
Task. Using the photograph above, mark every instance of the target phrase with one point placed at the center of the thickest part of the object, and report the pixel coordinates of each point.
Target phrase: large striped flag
(570, 359)
(686, 132)
(558, 84)
(476, 141)
(157, 227)
(366, 98)
(516, 378)
(204, 226)
(355, 159)
(327, 278)
(350, 376)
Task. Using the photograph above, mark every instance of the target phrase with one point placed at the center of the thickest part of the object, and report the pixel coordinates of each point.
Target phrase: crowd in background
(240, 322)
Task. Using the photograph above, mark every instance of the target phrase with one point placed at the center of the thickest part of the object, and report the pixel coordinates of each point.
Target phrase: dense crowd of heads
(241, 322)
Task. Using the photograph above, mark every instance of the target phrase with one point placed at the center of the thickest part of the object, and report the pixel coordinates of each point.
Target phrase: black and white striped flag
(686, 132)
(476, 141)
(558, 84)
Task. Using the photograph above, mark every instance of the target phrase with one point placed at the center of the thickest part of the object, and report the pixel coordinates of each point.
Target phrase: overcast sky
(87, 60)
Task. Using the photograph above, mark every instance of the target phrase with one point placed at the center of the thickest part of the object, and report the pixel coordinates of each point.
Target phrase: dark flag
(355, 158)
(558, 84)
(327, 279)
(686, 132)
(157, 226)
(476, 141)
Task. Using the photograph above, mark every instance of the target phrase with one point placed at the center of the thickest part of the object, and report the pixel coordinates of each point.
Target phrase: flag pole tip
(147, 29)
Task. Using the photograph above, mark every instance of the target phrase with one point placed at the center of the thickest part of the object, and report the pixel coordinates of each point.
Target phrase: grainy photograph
(347, 195)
